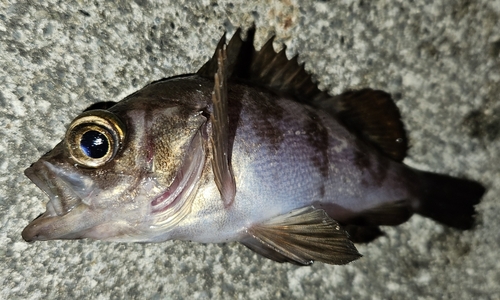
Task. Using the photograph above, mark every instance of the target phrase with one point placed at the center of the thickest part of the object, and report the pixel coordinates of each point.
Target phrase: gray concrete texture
(440, 60)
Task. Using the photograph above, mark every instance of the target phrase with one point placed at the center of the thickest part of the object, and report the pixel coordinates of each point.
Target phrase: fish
(248, 149)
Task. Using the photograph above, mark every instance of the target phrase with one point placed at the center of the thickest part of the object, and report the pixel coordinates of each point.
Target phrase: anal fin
(301, 237)
(363, 234)
(388, 214)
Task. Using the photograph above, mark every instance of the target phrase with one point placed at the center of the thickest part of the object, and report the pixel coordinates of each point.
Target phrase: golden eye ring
(94, 138)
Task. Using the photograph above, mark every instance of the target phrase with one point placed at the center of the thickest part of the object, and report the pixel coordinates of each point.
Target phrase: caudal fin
(449, 200)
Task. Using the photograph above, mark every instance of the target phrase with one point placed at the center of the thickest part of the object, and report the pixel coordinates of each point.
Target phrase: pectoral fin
(221, 162)
(301, 237)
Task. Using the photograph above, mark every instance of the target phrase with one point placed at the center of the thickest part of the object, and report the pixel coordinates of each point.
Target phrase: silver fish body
(295, 178)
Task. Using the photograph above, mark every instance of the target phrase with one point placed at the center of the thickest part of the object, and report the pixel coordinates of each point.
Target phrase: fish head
(127, 173)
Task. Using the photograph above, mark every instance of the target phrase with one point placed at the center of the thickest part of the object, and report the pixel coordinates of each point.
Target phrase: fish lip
(35, 175)
(31, 233)
(47, 227)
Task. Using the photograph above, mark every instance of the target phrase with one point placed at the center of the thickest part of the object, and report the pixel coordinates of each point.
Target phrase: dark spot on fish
(342, 40)
(317, 136)
(22, 98)
(322, 191)
(84, 12)
(361, 160)
(268, 114)
(149, 49)
(379, 173)
(376, 167)
(172, 25)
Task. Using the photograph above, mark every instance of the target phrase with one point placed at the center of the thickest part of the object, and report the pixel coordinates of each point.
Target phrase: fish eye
(94, 138)
(94, 144)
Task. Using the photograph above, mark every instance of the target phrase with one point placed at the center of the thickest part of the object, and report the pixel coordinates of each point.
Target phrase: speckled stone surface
(440, 60)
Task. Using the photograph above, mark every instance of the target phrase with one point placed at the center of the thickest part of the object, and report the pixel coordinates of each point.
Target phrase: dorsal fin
(265, 68)
(373, 116)
(209, 69)
(370, 114)
(233, 50)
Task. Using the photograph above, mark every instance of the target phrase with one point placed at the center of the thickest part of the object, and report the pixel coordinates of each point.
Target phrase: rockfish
(248, 149)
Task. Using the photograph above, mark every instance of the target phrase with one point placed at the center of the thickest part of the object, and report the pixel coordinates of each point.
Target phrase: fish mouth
(52, 187)
(57, 184)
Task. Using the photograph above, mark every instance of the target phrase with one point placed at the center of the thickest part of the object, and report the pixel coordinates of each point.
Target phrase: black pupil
(94, 144)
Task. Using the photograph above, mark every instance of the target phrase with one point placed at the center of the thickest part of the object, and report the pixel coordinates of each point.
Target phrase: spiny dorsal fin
(374, 117)
(300, 237)
(236, 51)
(275, 71)
(265, 68)
(209, 69)
(221, 161)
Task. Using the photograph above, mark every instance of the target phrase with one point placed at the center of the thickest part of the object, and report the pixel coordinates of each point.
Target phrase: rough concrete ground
(440, 59)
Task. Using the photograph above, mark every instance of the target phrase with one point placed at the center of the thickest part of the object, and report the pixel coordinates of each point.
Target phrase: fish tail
(449, 200)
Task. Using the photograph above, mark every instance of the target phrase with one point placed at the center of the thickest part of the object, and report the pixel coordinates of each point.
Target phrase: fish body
(248, 150)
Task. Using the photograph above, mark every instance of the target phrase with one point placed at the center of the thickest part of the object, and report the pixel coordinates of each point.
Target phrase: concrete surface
(439, 58)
